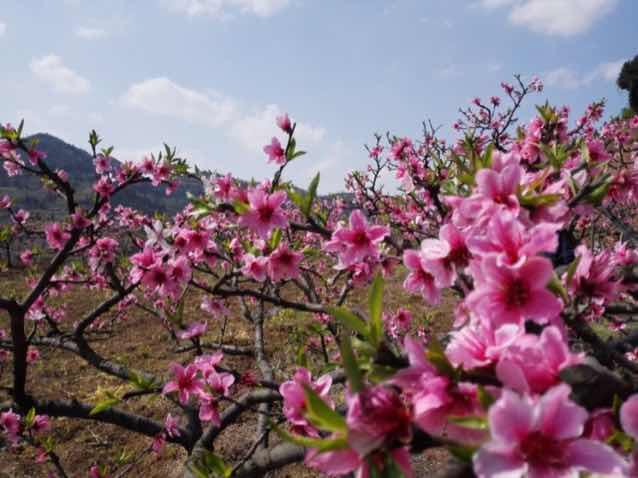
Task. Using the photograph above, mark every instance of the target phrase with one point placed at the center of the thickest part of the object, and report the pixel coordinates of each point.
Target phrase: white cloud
(554, 17)
(53, 72)
(223, 8)
(164, 97)
(88, 33)
(59, 111)
(3, 28)
(567, 78)
(610, 71)
(254, 130)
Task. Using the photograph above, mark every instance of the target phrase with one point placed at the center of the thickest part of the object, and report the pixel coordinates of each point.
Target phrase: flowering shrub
(529, 228)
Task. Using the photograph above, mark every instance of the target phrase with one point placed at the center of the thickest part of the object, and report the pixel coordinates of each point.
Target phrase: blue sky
(209, 76)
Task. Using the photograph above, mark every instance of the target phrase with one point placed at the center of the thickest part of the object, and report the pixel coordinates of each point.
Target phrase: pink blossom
(33, 354)
(532, 363)
(541, 437)
(294, 397)
(196, 329)
(21, 217)
(358, 242)
(284, 123)
(10, 424)
(171, 425)
(594, 277)
(481, 345)
(184, 382)
(510, 295)
(283, 264)
(421, 279)
(220, 383)
(104, 187)
(214, 307)
(56, 236)
(255, 267)
(265, 212)
(629, 416)
(208, 410)
(5, 202)
(377, 417)
(26, 257)
(224, 187)
(275, 152)
(102, 164)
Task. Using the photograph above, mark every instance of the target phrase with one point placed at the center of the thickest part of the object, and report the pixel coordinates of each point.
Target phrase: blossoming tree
(528, 227)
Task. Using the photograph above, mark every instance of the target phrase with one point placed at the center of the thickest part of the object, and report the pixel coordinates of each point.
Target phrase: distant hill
(28, 193)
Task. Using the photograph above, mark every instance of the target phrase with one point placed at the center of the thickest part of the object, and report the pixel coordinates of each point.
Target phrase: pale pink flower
(358, 242)
(532, 363)
(421, 279)
(510, 295)
(629, 416)
(171, 426)
(196, 329)
(541, 437)
(214, 307)
(294, 397)
(265, 213)
(481, 345)
(255, 267)
(102, 164)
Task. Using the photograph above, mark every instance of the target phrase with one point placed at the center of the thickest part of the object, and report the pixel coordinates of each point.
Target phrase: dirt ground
(141, 342)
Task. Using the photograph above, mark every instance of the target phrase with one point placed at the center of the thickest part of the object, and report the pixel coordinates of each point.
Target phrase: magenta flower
(377, 417)
(220, 383)
(208, 410)
(510, 295)
(358, 242)
(538, 438)
(265, 212)
(56, 236)
(185, 382)
(283, 264)
(102, 164)
(10, 424)
(594, 277)
(5, 202)
(275, 152)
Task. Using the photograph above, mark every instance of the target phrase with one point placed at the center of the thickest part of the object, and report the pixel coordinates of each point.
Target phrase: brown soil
(142, 343)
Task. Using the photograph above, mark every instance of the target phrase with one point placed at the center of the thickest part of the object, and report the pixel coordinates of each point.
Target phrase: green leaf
(240, 207)
(436, 356)
(105, 404)
(349, 320)
(28, 419)
(485, 398)
(312, 194)
(539, 200)
(210, 465)
(275, 239)
(571, 270)
(319, 444)
(321, 415)
(556, 287)
(473, 422)
(463, 453)
(375, 306)
(353, 372)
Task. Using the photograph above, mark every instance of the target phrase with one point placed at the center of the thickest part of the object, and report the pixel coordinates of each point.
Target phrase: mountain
(28, 193)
